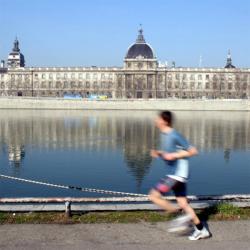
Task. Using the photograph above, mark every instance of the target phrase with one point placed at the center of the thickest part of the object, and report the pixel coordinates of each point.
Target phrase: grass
(122, 217)
(224, 211)
(221, 211)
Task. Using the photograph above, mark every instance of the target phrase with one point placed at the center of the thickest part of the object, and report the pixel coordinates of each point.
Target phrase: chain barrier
(90, 190)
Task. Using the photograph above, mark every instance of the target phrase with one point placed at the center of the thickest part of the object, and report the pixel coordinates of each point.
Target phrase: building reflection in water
(16, 154)
(227, 152)
(139, 138)
(131, 132)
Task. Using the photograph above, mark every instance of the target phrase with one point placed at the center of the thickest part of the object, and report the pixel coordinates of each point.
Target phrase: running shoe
(179, 224)
(199, 234)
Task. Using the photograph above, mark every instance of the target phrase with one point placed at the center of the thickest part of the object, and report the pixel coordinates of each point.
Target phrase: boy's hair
(167, 116)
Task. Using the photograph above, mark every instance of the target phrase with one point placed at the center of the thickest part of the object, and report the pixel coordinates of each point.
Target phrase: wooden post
(68, 209)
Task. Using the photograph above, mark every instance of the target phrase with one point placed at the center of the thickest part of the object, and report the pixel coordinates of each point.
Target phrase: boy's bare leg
(183, 203)
(156, 197)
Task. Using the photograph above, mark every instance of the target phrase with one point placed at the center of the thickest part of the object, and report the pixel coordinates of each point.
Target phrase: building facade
(140, 77)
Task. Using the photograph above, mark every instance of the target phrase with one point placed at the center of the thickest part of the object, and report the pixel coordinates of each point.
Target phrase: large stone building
(140, 77)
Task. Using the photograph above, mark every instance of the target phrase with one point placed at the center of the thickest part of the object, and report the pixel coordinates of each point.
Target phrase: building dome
(140, 48)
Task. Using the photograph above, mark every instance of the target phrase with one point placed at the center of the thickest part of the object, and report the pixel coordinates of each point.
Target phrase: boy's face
(160, 123)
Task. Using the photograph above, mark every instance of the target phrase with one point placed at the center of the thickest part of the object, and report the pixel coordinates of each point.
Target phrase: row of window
(140, 64)
(74, 75)
(67, 85)
(208, 85)
(193, 85)
(163, 94)
(130, 85)
(110, 76)
(206, 77)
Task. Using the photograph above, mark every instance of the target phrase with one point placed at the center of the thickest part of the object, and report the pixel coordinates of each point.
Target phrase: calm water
(110, 150)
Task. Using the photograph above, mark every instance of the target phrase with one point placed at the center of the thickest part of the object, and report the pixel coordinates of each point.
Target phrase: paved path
(226, 235)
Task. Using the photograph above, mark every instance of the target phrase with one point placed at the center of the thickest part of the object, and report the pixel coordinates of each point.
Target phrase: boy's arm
(187, 149)
(155, 153)
(191, 151)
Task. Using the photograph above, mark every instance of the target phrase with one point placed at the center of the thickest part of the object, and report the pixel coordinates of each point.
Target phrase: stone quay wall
(142, 104)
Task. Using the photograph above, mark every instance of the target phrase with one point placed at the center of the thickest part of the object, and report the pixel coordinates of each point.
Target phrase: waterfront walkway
(228, 235)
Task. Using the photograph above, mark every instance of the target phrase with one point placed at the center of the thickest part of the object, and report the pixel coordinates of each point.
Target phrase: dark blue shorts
(167, 184)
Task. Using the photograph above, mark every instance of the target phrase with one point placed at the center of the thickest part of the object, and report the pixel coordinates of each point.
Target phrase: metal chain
(91, 190)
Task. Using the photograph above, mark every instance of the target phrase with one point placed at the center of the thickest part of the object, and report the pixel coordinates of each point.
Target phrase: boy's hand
(169, 156)
(164, 155)
(155, 153)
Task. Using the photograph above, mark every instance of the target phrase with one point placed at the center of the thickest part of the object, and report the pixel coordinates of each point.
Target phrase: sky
(99, 32)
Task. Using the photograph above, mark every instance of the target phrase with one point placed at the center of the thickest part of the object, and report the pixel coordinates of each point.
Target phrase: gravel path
(226, 235)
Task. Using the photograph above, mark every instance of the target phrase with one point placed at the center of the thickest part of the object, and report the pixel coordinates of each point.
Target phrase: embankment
(80, 104)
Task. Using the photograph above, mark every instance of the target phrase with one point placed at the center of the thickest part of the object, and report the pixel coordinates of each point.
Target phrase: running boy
(175, 151)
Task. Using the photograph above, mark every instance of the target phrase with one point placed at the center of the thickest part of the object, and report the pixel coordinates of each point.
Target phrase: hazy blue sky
(99, 32)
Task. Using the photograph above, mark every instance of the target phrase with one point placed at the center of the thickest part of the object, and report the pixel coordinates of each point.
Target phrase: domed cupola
(140, 49)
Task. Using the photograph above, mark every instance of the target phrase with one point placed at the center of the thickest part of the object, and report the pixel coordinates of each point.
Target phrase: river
(110, 150)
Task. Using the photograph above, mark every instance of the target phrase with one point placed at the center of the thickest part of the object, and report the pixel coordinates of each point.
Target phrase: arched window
(66, 85)
(58, 84)
(244, 86)
(192, 77)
